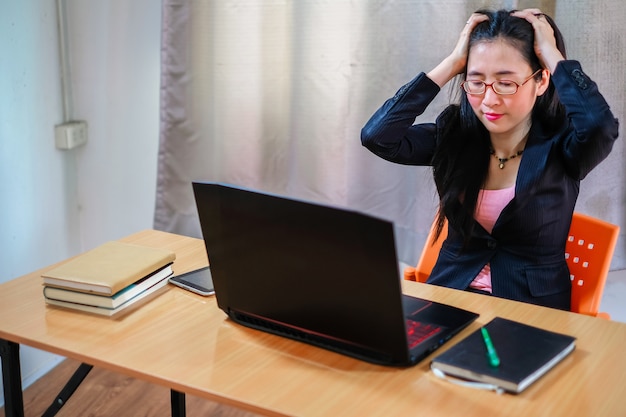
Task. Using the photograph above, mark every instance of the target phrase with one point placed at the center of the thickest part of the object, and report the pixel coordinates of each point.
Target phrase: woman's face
(503, 115)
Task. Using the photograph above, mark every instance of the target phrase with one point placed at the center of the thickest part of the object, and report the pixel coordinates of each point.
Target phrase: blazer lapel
(530, 171)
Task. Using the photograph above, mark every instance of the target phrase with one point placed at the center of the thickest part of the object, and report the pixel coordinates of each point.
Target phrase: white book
(113, 301)
(110, 311)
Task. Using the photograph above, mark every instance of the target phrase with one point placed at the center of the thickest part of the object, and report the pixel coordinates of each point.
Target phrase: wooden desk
(184, 342)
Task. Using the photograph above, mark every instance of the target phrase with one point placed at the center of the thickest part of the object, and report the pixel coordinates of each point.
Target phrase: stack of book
(109, 278)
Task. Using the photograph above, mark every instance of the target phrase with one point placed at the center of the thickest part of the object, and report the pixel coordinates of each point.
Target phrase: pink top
(490, 205)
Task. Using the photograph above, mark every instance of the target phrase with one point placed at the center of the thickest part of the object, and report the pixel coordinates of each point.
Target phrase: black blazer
(527, 244)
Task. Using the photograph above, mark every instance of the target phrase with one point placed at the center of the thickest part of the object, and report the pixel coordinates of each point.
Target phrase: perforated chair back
(588, 253)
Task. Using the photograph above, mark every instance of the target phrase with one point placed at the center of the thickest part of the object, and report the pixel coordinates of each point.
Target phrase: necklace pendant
(502, 161)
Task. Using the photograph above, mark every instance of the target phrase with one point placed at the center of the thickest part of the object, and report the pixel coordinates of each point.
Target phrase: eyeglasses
(501, 87)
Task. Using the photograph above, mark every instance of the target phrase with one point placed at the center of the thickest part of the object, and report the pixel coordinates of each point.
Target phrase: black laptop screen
(329, 271)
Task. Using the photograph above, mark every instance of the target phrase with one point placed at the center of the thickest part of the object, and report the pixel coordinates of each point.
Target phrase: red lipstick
(493, 116)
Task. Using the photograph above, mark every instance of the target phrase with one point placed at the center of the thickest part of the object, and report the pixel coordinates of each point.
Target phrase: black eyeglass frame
(485, 85)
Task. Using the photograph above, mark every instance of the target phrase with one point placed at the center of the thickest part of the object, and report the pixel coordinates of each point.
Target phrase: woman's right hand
(460, 52)
(456, 62)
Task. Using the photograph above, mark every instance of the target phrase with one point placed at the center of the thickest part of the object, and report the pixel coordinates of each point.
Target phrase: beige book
(108, 301)
(108, 268)
(128, 306)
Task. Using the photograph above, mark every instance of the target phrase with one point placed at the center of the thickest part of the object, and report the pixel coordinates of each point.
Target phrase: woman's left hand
(545, 43)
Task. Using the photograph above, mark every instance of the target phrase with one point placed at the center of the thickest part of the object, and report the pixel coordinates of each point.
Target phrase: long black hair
(461, 161)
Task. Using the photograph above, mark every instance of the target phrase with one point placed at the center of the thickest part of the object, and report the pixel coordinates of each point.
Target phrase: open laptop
(318, 274)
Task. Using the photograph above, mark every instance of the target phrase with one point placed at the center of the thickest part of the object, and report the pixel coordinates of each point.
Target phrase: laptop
(318, 274)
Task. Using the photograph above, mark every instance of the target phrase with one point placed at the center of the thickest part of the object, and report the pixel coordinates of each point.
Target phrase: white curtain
(272, 94)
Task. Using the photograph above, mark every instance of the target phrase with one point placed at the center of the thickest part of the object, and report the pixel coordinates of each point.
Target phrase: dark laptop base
(450, 319)
(302, 335)
(318, 274)
(361, 352)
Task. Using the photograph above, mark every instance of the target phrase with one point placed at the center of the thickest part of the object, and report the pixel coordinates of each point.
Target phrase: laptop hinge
(306, 336)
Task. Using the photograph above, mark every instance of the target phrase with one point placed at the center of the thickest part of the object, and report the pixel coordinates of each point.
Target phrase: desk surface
(184, 342)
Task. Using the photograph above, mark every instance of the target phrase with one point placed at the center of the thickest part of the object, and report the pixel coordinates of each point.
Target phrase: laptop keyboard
(418, 332)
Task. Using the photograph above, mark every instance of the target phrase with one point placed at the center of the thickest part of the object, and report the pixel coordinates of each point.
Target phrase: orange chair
(429, 255)
(588, 253)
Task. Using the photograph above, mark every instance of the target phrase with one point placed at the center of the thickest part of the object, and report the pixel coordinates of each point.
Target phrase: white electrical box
(70, 135)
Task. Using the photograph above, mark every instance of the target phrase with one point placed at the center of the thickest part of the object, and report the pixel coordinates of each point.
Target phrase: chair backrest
(430, 253)
(588, 253)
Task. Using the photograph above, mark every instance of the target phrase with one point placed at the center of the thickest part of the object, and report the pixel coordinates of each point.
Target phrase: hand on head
(459, 54)
(545, 42)
(542, 41)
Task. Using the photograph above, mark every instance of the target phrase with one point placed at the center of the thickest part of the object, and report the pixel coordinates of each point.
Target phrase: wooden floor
(106, 394)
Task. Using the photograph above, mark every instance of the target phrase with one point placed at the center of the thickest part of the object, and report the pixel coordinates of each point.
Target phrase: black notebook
(525, 354)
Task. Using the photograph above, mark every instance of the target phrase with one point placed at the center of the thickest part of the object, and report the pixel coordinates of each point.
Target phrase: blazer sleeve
(592, 128)
(390, 132)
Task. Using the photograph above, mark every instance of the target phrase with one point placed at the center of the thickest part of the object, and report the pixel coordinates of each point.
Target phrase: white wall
(55, 204)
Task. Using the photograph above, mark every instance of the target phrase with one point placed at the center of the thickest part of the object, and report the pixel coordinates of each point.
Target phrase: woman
(508, 160)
